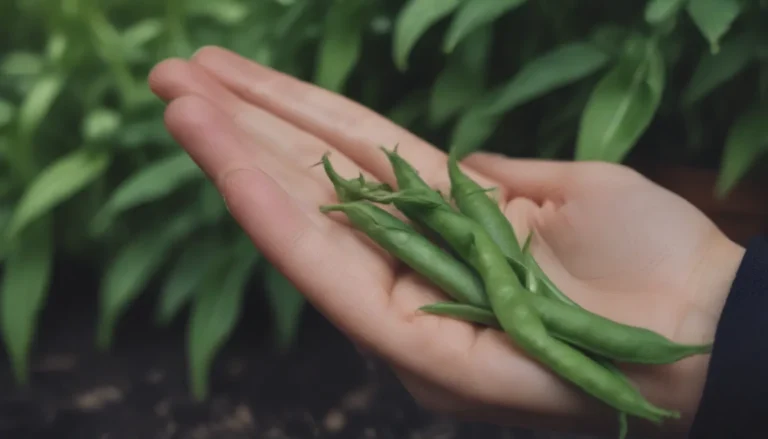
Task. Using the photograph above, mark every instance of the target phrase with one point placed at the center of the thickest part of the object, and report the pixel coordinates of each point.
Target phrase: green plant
(89, 172)
(606, 78)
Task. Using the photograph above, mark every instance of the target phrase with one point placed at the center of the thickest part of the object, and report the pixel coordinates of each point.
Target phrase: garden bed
(323, 389)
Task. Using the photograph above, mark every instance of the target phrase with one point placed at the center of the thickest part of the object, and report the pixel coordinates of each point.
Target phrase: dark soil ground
(324, 388)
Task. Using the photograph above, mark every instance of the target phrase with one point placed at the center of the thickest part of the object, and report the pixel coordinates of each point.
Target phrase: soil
(323, 388)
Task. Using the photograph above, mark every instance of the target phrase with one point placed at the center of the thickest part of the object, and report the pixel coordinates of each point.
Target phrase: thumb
(535, 179)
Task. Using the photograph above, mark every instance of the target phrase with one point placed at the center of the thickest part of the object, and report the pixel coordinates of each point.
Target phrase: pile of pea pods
(466, 246)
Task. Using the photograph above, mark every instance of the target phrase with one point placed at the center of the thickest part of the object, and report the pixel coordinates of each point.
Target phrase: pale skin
(613, 241)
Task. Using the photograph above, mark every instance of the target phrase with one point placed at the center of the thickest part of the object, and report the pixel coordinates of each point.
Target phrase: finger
(343, 278)
(174, 78)
(340, 275)
(355, 130)
(539, 180)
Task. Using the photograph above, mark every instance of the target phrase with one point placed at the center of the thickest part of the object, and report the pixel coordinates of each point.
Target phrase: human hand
(611, 240)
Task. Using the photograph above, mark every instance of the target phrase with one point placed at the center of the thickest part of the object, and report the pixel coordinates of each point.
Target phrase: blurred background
(131, 305)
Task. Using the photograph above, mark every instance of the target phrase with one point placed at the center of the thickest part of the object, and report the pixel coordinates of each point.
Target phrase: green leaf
(413, 20)
(37, 103)
(130, 270)
(340, 47)
(714, 70)
(474, 14)
(660, 11)
(609, 38)
(409, 109)
(215, 313)
(6, 211)
(21, 64)
(100, 123)
(56, 46)
(7, 111)
(184, 278)
(55, 184)
(471, 131)
(562, 66)
(622, 104)
(24, 288)
(747, 142)
(229, 12)
(210, 203)
(136, 134)
(142, 32)
(287, 303)
(151, 183)
(714, 18)
(462, 80)
(763, 81)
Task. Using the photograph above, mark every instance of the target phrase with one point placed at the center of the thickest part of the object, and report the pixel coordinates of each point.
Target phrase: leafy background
(88, 171)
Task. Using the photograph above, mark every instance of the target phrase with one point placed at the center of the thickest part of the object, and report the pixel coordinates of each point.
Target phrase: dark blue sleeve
(735, 399)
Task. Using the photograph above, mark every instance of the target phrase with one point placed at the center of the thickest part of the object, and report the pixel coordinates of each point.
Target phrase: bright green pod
(405, 243)
(591, 332)
(472, 201)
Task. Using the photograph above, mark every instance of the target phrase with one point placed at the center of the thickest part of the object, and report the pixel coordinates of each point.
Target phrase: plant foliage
(88, 170)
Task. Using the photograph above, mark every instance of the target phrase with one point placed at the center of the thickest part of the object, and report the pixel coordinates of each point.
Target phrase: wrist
(714, 282)
(709, 288)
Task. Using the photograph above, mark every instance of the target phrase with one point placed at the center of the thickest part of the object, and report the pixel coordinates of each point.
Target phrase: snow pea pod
(510, 303)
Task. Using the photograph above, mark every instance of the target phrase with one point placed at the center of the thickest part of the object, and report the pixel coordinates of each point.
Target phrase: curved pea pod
(611, 339)
(406, 244)
(590, 332)
(473, 202)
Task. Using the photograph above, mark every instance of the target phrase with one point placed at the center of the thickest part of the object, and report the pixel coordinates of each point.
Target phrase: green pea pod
(590, 332)
(610, 339)
(474, 314)
(472, 201)
(463, 311)
(405, 243)
(510, 303)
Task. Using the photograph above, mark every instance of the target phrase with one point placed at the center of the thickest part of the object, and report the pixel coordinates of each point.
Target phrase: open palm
(611, 240)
